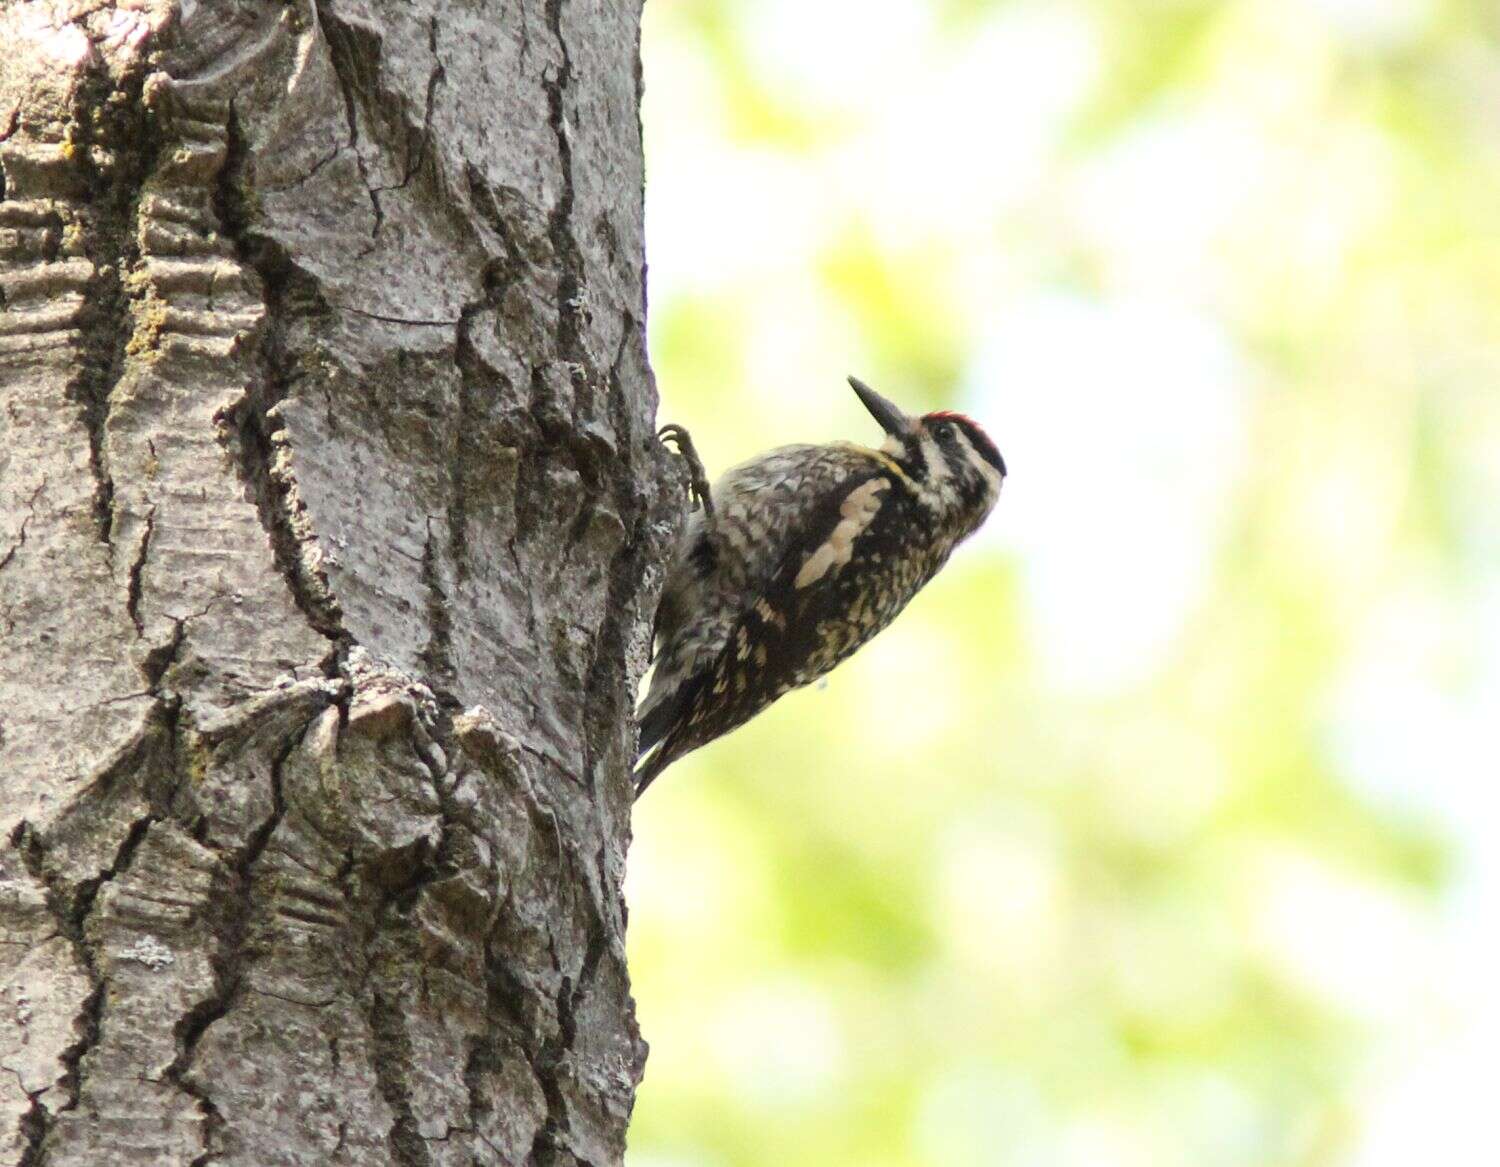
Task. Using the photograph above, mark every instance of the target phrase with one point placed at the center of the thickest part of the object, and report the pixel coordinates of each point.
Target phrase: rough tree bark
(330, 522)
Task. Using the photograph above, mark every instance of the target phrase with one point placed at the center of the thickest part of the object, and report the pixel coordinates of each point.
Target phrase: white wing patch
(856, 513)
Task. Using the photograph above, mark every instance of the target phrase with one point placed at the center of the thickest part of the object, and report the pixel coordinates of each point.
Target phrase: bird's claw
(678, 437)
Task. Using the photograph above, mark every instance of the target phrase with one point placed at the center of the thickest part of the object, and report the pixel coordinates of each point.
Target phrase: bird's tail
(661, 734)
(646, 772)
(659, 746)
(656, 718)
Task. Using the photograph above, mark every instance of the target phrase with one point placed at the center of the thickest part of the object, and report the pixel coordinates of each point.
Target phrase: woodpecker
(796, 558)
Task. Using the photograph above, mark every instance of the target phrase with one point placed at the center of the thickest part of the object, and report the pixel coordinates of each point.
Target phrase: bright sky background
(1165, 827)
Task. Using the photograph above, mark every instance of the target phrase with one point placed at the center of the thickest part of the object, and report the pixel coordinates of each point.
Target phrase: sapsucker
(798, 557)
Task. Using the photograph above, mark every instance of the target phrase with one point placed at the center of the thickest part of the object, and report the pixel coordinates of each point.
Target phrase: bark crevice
(10, 552)
(255, 421)
(571, 286)
(348, 46)
(137, 568)
(231, 928)
(70, 908)
(114, 143)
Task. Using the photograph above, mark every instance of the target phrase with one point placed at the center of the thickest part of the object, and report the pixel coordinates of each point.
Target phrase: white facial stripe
(992, 476)
(937, 465)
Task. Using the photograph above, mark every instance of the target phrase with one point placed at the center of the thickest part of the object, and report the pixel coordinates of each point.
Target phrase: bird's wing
(755, 627)
(721, 566)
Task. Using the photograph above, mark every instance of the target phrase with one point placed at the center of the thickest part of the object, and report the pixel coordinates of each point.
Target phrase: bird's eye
(946, 433)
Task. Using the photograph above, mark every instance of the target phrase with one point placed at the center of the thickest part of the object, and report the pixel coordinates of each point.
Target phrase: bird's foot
(679, 438)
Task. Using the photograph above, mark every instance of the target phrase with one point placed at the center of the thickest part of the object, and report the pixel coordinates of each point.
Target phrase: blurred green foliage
(1129, 842)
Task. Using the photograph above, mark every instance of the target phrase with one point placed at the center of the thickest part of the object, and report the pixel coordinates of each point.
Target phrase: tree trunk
(330, 522)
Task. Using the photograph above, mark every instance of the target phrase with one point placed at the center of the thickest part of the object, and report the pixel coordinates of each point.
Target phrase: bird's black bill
(891, 419)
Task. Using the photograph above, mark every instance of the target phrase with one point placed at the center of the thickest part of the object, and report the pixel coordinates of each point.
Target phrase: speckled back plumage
(809, 552)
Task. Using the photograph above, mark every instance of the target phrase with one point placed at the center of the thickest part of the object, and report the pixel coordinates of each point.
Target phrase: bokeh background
(1163, 827)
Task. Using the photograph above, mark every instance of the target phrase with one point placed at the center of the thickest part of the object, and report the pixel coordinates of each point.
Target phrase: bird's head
(956, 468)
